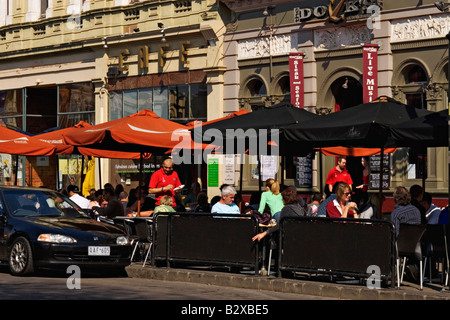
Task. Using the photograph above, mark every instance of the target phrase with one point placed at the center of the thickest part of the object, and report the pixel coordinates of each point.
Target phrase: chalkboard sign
(303, 172)
(374, 169)
(374, 162)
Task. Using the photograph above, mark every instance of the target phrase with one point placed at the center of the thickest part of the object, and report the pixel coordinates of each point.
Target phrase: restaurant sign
(370, 72)
(296, 79)
(340, 11)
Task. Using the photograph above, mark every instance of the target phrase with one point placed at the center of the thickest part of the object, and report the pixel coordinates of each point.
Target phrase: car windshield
(41, 203)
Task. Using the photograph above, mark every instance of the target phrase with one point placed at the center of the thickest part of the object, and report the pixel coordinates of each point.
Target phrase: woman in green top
(272, 197)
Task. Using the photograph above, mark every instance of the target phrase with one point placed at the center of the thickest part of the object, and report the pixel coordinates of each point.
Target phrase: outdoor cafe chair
(435, 244)
(141, 237)
(408, 245)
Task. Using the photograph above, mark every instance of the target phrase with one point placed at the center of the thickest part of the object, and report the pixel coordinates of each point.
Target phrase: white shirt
(81, 201)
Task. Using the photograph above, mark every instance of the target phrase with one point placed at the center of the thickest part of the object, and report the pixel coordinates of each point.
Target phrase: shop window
(175, 102)
(198, 97)
(76, 103)
(178, 102)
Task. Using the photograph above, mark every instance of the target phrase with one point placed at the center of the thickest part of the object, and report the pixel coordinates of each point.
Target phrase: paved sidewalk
(312, 286)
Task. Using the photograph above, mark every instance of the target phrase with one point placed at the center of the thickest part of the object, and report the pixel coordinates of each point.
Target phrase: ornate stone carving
(420, 28)
(434, 91)
(266, 46)
(337, 38)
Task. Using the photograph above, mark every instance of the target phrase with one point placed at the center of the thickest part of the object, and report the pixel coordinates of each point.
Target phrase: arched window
(415, 77)
(256, 88)
(347, 92)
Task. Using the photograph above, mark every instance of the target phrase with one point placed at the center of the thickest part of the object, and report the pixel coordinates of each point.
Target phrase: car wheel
(21, 257)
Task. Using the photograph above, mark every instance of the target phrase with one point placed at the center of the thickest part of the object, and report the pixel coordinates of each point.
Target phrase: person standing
(339, 174)
(164, 181)
(74, 195)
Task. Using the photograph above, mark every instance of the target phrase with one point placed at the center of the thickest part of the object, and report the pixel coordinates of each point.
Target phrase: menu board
(303, 172)
(374, 169)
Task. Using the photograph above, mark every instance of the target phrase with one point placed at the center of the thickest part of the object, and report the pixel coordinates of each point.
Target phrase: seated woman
(291, 208)
(341, 207)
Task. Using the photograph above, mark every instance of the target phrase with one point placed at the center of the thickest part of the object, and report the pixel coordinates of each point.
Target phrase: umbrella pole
(99, 172)
(380, 188)
(241, 173)
(141, 160)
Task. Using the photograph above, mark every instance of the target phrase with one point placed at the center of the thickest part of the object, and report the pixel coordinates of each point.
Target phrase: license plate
(99, 251)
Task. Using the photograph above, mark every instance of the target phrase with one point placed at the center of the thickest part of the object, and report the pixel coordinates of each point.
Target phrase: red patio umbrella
(56, 138)
(13, 142)
(142, 132)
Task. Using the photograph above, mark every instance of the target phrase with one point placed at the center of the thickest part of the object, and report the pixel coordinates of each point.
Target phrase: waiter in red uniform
(164, 181)
(339, 174)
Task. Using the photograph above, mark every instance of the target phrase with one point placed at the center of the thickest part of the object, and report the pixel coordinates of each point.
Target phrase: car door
(3, 220)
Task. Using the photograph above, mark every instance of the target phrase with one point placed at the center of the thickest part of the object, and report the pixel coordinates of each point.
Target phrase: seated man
(404, 211)
(226, 204)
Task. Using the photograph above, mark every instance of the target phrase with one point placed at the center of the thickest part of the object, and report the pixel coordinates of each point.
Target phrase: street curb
(256, 282)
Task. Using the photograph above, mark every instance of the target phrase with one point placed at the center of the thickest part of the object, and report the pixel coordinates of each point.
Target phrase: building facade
(412, 68)
(65, 61)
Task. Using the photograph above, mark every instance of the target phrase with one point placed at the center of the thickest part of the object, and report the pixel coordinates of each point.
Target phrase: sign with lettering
(340, 10)
(370, 72)
(213, 172)
(296, 79)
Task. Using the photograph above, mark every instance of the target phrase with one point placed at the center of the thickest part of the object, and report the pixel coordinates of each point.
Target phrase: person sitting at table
(165, 205)
(341, 207)
(202, 204)
(404, 211)
(114, 207)
(291, 209)
(322, 210)
(226, 203)
(272, 197)
(147, 204)
(369, 210)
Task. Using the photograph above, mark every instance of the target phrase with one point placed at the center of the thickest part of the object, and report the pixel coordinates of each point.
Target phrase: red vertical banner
(370, 72)
(296, 79)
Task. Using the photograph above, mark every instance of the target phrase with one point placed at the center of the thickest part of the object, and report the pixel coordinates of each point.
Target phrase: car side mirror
(3, 218)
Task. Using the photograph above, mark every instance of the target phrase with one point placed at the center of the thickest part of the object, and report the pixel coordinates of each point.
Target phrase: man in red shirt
(164, 181)
(339, 174)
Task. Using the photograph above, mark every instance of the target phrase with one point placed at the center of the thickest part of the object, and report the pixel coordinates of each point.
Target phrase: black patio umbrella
(365, 125)
(256, 132)
(430, 130)
(260, 124)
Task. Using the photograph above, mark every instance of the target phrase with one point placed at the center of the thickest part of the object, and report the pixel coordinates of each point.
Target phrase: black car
(43, 228)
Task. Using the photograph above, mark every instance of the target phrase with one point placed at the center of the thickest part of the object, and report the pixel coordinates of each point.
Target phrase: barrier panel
(337, 246)
(198, 238)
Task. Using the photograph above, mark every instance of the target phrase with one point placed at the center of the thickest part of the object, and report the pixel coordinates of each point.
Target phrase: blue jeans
(276, 216)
